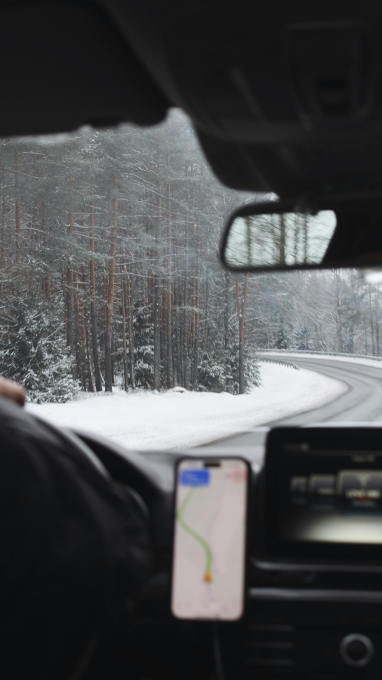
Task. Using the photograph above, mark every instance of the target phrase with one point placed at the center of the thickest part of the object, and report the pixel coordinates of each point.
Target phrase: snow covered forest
(109, 273)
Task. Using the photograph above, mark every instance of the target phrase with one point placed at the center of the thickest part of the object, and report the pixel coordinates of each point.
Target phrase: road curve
(361, 402)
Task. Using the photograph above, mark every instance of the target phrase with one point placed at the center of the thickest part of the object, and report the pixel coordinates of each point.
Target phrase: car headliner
(287, 101)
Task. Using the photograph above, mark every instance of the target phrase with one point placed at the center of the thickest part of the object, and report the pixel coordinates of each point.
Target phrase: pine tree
(251, 370)
(211, 376)
(230, 359)
(33, 352)
(302, 338)
(143, 346)
(282, 341)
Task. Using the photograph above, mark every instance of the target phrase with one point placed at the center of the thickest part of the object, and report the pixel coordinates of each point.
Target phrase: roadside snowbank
(176, 419)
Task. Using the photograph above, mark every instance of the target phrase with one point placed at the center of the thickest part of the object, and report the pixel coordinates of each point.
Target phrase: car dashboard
(313, 608)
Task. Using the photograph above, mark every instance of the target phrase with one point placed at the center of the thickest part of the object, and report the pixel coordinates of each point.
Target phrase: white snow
(175, 420)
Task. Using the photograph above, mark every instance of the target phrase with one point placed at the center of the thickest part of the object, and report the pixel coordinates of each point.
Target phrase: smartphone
(210, 536)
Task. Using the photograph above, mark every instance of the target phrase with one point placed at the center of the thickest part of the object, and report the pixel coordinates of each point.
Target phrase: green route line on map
(194, 534)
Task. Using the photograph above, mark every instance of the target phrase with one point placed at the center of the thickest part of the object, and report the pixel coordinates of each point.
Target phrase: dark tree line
(325, 311)
(111, 238)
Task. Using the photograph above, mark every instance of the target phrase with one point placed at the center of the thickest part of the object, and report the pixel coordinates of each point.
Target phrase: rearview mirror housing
(283, 235)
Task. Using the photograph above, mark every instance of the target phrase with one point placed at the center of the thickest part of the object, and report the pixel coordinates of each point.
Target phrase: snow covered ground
(175, 419)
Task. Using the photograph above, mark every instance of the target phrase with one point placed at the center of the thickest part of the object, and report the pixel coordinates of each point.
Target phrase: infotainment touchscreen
(344, 507)
(323, 492)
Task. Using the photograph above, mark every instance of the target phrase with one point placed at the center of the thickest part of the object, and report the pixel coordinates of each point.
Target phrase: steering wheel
(75, 547)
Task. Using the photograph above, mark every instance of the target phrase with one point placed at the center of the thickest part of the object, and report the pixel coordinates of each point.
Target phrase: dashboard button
(350, 487)
(373, 488)
(356, 650)
(299, 490)
(322, 490)
(362, 490)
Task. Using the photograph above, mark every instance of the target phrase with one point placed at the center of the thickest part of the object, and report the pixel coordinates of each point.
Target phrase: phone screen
(208, 575)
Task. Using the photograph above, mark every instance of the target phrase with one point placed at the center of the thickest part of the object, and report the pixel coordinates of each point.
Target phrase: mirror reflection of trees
(276, 240)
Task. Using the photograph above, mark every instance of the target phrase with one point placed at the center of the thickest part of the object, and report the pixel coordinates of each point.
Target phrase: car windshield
(117, 317)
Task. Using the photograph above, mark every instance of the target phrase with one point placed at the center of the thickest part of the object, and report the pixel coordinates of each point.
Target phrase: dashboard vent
(270, 647)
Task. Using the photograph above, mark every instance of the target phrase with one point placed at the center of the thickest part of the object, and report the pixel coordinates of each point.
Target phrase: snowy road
(361, 402)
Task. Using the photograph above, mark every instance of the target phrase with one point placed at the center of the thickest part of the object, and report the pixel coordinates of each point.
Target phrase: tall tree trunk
(178, 363)
(110, 297)
(79, 335)
(372, 324)
(196, 315)
(69, 297)
(124, 340)
(40, 215)
(170, 368)
(156, 304)
(88, 360)
(186, 326)
(338, 313)
(131, 332)
(241, 310)
(85, 325)
(93, 315)
(156, 320)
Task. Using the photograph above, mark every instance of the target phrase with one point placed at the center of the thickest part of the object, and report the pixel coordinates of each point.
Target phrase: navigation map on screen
(209, 539)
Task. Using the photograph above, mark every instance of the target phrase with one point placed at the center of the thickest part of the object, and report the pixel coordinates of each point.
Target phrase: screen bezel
(213, 459)
(361, 441)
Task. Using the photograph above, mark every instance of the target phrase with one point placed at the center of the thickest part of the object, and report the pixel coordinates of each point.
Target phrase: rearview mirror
(276, 235)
